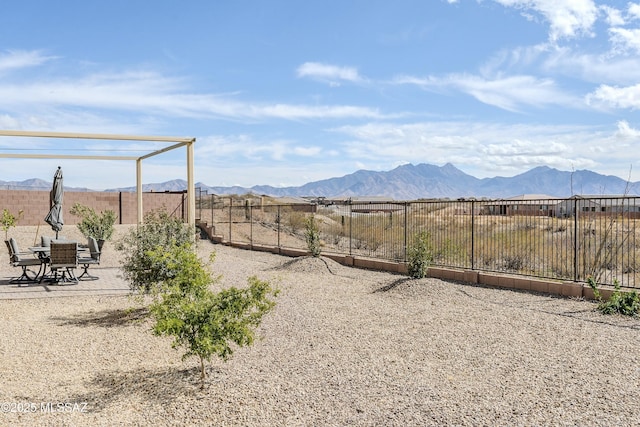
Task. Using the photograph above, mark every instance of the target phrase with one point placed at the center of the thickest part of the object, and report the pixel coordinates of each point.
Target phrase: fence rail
(567, 239)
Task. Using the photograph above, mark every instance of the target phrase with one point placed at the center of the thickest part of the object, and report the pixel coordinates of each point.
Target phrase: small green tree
(9, 220)
(203, 322)
(312, 235)
(159, 230)
(92, 224)
(420, 255)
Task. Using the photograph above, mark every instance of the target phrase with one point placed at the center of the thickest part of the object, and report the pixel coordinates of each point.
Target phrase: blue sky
(287, 92)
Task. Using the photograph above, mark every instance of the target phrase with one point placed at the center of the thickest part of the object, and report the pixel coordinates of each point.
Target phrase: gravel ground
(342, 347)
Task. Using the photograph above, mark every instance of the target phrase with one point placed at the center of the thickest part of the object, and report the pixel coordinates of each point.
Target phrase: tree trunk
(203, 374)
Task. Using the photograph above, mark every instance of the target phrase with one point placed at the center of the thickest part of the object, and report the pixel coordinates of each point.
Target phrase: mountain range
(423, 181)
(411, 182)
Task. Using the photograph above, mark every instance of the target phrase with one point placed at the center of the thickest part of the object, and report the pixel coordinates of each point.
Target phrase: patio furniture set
(56, 260)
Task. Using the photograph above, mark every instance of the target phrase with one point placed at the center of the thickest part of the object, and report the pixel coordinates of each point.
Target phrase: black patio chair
(92, 259)
(23, 260)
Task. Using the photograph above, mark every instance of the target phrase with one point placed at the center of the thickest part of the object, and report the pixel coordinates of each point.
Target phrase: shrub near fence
(565, 239)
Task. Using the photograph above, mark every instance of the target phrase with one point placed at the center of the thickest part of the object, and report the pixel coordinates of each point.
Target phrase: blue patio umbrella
(54, 217)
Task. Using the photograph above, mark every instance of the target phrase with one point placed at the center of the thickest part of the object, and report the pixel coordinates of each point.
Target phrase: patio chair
(92, 259)
(64, 260)
(24, 260)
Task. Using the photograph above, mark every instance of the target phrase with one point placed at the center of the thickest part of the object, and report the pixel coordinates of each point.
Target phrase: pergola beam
(112, 137)
(164, 150)
(65, 156)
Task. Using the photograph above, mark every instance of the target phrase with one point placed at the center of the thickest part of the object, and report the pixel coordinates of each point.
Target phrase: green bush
(203, 322)
(420, 255)
(625, 303)
(312, 235)
(92, 224)
(160, 230)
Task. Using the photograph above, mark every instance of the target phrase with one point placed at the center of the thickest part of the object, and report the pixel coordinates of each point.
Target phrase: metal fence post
(200, 202)
(575, 240)
(350, 224)
(406, 210)
(473, 234)
(279, 220)
(230, 205)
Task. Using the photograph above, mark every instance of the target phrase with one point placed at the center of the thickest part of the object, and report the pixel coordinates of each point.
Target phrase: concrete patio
(109, 283)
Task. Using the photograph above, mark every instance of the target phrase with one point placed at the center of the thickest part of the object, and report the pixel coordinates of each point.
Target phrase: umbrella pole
(35, 239)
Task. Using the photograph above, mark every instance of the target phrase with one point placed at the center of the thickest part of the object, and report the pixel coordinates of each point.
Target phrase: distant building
(524, 204)
(597, 204)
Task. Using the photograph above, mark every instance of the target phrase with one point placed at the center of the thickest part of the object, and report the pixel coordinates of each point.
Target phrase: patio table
(43, 256)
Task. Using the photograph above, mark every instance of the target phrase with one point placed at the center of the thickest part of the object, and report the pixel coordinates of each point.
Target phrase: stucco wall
(35, 204)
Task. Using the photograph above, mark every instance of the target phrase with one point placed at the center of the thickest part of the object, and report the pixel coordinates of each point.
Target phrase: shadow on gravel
(310, 264)
(106, 318)
(150, 387)
(393, 285)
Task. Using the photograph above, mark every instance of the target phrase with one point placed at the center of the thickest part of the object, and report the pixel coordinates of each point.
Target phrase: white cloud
(247, 149)
(518, 58)
(307, 151)
(626, 132)
(634, 10)
(18, 59)
(625, 40)
(607, 96)
(331, 74)
(526, 147)
(151, 93)
(567, 18)
(9, 122)
(593, 68)
(509, 93)
(296, 112)
(613, 16)
(219, 149)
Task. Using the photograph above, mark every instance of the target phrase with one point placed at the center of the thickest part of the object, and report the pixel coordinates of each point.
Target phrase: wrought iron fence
(567, 239)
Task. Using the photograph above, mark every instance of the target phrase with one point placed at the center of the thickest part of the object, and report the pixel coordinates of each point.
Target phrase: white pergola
(176, 142)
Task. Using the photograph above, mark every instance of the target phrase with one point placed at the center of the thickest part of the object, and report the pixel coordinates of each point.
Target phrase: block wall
(35, 204)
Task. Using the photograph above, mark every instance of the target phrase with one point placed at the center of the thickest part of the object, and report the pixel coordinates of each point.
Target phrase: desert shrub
(296, 221)
(93, 224)
(312, 235)
(203, 322)
(334, 233)
(368, 232)
(419, 255)
(626, 303)
(513, 262)
(160, 230)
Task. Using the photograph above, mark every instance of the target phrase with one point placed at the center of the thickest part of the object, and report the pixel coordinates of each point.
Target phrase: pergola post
(191, 187)
(139, 191)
